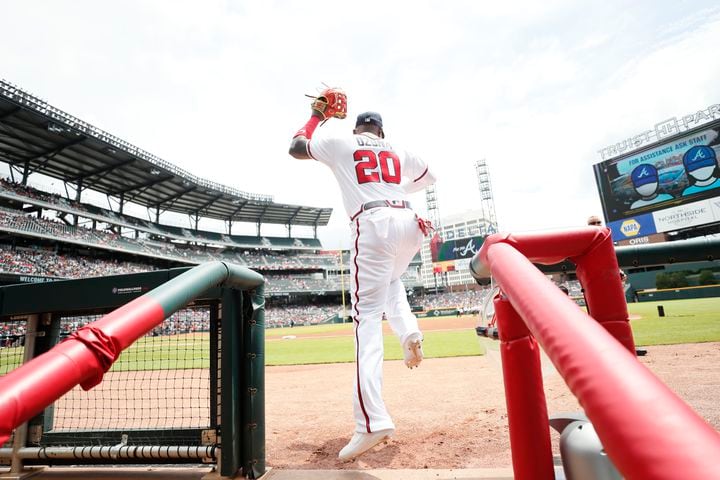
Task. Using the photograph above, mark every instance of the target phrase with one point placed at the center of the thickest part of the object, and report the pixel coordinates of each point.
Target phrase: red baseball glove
(332, 102)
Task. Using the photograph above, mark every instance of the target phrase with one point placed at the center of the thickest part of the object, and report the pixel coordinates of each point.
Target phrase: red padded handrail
(647, 430)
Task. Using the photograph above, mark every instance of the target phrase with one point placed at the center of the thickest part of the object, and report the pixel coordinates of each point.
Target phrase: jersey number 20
(367, 166)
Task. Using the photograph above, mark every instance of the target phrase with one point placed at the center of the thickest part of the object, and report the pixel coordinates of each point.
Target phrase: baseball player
(375, 178)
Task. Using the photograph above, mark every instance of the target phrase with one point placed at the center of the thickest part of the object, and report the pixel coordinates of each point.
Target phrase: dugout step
(392, 474)
(203, 473)
(111, 473)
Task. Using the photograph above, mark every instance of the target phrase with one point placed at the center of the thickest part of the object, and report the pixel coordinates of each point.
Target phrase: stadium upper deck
(29, 198)
(36, 137)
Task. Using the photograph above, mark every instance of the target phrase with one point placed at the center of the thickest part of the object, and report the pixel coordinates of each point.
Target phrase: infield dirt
(449, 413)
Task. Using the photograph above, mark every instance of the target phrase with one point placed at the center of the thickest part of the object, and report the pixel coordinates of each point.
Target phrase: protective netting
(160, 382)
(12, 341)
(163, 401)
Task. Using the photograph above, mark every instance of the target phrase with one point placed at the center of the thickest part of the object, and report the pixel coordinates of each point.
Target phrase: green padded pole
(179, 291)
(254, 387)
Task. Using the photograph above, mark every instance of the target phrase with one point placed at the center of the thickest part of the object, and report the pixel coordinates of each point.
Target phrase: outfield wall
(679, 293)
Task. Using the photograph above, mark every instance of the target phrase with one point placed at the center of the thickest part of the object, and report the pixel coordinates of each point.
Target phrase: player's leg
(400, 317)
(410, 238)
(399, 314)
(371, 270)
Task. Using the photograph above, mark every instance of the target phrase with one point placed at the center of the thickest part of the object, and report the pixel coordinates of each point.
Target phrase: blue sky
(217, 87)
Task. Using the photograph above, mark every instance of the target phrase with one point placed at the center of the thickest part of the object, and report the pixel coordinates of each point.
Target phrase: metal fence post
(253, 388)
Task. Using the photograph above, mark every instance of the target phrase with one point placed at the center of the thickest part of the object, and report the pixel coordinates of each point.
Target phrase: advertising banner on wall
(668, 186)
(654, 238)
(455, 249)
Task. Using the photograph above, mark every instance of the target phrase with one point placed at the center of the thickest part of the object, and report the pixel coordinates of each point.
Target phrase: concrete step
(395, 474)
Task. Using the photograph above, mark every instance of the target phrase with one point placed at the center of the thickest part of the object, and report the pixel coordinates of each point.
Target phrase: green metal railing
(144, 301)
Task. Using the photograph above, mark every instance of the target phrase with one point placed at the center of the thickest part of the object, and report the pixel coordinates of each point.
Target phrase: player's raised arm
(298, 146)
(332, 102)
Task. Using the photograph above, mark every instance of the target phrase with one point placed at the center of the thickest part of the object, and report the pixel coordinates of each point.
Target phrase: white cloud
(217, 87)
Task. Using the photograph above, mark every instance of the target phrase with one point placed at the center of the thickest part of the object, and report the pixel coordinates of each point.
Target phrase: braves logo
(469, 248)
(643, 173)
(699, 155)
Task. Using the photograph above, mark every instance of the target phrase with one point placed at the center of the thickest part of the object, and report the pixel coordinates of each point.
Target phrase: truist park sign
(666, 128)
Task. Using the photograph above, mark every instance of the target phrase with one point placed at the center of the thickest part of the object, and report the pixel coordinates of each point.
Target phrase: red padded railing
(85, 356)
(647, 430)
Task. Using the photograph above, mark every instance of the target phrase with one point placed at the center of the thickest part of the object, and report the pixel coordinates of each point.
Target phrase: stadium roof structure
(36, 137)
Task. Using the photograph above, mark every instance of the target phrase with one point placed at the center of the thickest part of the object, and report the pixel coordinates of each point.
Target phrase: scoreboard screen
(667, 186)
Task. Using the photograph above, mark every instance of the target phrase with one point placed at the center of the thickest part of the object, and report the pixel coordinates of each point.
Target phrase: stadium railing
(645, 428)
(174, 375)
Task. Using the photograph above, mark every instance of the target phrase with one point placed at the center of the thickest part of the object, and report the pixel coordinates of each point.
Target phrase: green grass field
(163, 353)
(341, 348)
(686, 321)
(329, 328)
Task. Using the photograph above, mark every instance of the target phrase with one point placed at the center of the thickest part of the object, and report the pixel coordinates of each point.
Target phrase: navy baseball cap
(698, 157)
(644, 174)
(366, 118)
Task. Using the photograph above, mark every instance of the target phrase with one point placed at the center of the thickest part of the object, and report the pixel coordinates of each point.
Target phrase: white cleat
(412, 348)
(362, 442)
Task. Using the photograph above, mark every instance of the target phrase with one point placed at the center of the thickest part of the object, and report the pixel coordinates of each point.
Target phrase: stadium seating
(291, 266)
(18, 222)
(14, 191)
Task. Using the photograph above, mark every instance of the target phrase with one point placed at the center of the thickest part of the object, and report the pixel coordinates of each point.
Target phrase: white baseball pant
(384, 242)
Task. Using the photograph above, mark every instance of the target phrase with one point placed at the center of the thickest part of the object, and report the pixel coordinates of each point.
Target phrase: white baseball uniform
(384, 239)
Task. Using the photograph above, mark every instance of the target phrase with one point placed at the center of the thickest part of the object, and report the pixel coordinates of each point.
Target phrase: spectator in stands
(594, 220)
